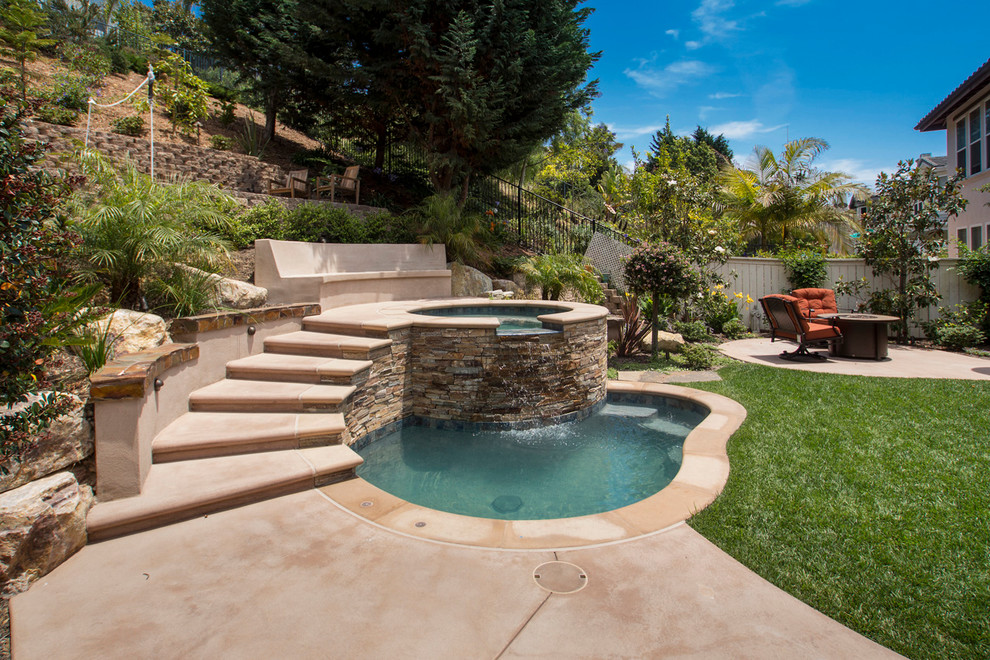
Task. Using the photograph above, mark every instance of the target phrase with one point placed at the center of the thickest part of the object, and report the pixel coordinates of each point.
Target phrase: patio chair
(295, 184)
(347, 182)
(787, 322)
(814, 302)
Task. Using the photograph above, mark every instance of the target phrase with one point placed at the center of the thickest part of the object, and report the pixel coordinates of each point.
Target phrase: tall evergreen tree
(718, 144)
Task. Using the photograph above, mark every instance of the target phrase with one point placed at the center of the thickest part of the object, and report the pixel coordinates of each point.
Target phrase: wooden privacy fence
(757, 277)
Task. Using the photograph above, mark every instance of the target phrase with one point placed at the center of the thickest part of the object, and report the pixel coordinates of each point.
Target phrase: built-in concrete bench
(347, 274)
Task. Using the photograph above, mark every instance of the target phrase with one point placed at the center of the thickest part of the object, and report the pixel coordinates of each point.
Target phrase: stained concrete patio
(300, 577)
(902, 361)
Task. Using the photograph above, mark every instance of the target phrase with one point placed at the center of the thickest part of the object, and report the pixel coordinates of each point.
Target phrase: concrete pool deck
(300, 577)
(902, 361)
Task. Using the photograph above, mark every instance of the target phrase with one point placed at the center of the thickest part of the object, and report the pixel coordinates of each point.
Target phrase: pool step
(183, 490)
(297, 368)
(198, 435)
(251, 396)
(326, 344)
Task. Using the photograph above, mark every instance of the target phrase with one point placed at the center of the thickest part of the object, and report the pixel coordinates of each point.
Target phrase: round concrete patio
(902, 361)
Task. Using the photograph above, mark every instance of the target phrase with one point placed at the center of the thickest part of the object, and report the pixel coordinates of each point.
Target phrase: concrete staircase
(274, 426)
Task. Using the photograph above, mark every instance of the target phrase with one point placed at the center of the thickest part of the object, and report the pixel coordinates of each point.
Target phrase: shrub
(250, 140)
(660, 269)
(554, 273)
(227, 116)
(442, 220)
(698, 356)
(221, 143)
(136, 62)
(734, 329)
(975, 268)
(263, 221)
(56, 114)
(388, 228)
(40, 303)
(221, 93)
(182, 93)
(805, 269)
(116, 57)
(133, 226)
(70, 92)
(315, 223)
(133, 126)
(975, 314)
(693, 331)
(958, 337)
(178, 292)
(87, 60)
(718, 308)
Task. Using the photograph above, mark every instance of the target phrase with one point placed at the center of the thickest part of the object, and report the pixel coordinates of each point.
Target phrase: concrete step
(199, 435)
(296, 368)
(268, 396)
(188, 489)
(325, 344)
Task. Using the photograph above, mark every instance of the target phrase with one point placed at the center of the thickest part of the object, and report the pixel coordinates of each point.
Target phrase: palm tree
(778, 196)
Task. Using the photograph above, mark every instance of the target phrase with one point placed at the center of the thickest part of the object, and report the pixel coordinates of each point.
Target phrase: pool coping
(703, 474)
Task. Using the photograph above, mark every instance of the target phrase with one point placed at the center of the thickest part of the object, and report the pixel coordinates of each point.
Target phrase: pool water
(513, 320)
(619, 455)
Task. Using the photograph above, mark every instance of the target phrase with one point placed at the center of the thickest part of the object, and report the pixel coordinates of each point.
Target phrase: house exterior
(965, 117)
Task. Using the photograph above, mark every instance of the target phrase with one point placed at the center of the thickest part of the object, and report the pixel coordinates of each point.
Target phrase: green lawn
(868, 499)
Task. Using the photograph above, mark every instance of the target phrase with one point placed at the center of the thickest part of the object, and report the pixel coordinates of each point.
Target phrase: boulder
(134, 331)
(468, 282)
(509, 286)
(42, 524)
(669, 342)
(68, 440)
(232, 293)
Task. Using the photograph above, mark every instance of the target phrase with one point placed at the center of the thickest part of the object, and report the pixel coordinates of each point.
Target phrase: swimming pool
(622, 453)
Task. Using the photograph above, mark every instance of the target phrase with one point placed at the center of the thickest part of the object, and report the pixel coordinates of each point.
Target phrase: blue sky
(858, 74)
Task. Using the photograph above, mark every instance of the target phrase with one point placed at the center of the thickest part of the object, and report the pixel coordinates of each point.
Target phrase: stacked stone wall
(475, 375)
(227, 170)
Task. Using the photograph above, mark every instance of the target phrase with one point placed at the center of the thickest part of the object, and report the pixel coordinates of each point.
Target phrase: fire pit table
(863, 335)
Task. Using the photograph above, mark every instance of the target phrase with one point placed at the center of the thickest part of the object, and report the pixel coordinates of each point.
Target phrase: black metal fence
(536, 222)
(124, 38)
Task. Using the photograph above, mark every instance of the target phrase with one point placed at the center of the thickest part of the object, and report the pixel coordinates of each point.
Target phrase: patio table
(863, 335)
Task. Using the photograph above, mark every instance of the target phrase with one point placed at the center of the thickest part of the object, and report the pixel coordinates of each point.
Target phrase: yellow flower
(739, 295)
(748, 300)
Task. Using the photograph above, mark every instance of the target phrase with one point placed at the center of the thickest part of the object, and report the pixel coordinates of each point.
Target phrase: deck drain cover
(560, 577)
(507, 503)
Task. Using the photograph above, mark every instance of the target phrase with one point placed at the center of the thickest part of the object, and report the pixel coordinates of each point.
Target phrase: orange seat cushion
(816, 301)
(818, 331)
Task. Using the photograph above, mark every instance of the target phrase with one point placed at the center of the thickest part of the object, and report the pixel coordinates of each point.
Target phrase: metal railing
(536, 222)
(127, 39)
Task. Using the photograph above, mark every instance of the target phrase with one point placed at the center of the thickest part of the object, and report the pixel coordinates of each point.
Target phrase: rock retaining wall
(227, 170)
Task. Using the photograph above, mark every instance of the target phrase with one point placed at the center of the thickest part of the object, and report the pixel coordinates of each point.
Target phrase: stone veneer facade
(475, 375)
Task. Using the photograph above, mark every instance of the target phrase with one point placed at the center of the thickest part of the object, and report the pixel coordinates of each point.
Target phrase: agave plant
(133, 226)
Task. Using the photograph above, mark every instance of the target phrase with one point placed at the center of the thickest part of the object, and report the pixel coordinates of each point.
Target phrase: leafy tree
(779, 196)
(261, 40)
(575, 162)
(720, 145)
(480, 84)
(176, 20)
(20, 22)
(133, 226)
(39, 301)
(660, 270)
(184, 96)
(903, 236)
(671, 151)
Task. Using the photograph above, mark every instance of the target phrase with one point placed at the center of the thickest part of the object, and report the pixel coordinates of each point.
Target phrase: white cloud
(672, 76)
(635, 131)
(740, 130)
(719, 96)
(857, 170)
(705, 110)
(693, 45)
(711, 20)
(673, 33)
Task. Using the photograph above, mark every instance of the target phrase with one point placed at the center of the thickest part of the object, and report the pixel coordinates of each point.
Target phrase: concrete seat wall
(346, 274)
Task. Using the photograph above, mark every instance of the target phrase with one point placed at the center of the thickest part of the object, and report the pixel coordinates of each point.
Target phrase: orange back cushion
(821, 301)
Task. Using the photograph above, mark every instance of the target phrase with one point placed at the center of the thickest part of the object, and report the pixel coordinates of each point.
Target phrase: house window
(961, 144)
(961, 236)
(975, 134)
(976, 237)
